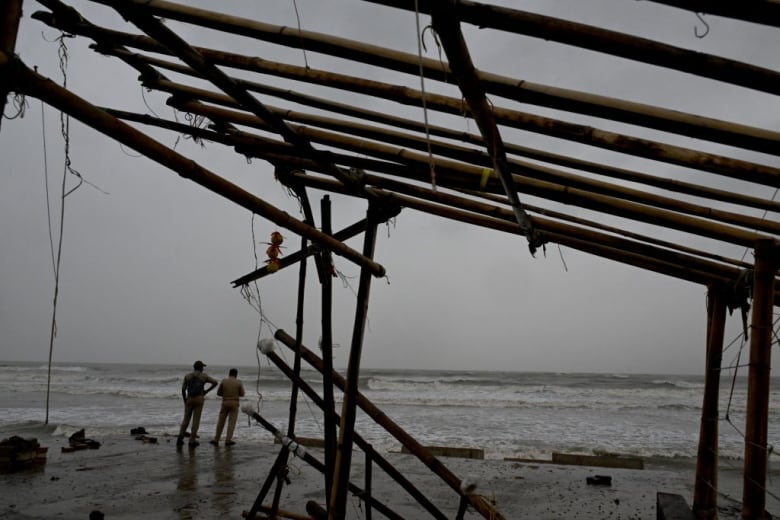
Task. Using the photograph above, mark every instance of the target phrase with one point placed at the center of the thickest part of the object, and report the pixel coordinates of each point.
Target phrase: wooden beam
(343, 462)
(525, 91)
(712, 163)
(705, 488)
(473, 175)
(604, 41)
(156, 29)
(767, 258)
(467, 155)
(377, 458)
(33, 84)
(483, 507)
(448, 29)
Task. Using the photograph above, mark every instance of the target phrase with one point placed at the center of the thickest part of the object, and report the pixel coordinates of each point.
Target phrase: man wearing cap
(193, 393)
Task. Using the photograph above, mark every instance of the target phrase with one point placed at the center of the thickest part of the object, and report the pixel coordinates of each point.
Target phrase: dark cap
(198, 365)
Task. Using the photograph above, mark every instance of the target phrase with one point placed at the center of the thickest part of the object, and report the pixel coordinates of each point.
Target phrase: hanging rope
(64, 128)
(419, 35)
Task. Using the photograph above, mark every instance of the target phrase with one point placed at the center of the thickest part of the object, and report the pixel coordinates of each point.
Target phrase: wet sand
(128, 479)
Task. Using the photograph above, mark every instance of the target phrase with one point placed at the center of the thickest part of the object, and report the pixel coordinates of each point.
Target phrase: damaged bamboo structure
(484, 179)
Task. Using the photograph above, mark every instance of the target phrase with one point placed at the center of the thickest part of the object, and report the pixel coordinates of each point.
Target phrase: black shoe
(179, 442)
(194, 444)
(214, 442)
(229, 443)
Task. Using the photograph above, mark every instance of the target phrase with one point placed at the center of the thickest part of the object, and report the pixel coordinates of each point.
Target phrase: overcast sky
(147, 256)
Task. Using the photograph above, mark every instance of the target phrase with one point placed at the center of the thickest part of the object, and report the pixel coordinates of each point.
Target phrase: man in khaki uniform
(231, 389)
(193, 396)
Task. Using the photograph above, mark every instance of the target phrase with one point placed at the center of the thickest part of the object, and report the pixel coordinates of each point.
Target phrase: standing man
(193, 391)
(231, 389)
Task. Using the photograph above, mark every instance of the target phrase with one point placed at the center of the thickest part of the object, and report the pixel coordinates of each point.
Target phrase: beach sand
(127, 478)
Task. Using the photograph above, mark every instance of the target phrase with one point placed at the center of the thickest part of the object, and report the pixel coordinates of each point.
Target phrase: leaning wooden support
(343, 462)
(33, 84)
(767, 254)
(448, 29)
(705, 488)
(415, 448)
(300, 452)
(375, 457)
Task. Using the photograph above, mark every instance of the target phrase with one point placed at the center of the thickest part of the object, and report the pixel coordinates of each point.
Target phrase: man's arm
(212, 384)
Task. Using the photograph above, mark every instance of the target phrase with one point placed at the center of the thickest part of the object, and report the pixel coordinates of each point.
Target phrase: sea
(525, 415)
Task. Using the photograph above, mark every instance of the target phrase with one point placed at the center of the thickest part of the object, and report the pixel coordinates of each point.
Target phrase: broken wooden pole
(767, 260)
(705, 489)
(422, 453)
(447, 26)
(377, 458)
(300, 452)
(343, 462)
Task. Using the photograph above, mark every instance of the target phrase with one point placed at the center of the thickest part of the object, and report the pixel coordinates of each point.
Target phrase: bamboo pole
(326, 346)
(520, 90)
(415, 448)
(316, 464)
(658, 201)
(524, 168)
(194, 59)
(690, 269)
(605, 41)
(462, 67)
(653, 150)
(705, 490)
(364, 445)
(10, 14)
(511, 148)
(418, 191)
(547, 126)
(343, 461)
(757, 11)
(37, 86)
(342, 236)
(767, 261)
(548, 190)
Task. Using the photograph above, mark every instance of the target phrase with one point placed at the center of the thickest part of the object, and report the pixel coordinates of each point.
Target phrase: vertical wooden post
(705, 504)
(338, 499)
(10, 14)
(329, 407)
(367, 485)
(754, 479)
